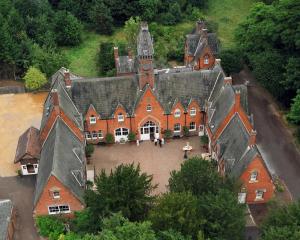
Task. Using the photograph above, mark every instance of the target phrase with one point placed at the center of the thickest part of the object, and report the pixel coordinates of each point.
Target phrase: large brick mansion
(147, 102)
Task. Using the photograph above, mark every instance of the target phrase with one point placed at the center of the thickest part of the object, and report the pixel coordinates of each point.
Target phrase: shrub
(109, 138)
(50, 226)
(131, 136)
(34, 79)
(204, 140)
(89, 149)
(168, 133)
(231, 61)
(186, 131)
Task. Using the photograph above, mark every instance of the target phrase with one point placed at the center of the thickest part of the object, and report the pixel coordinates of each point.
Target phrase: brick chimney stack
(228, 80)
(204, 33)
(252, 139)
(54, 97)
(237, 101)
(67, 78)
(199, 26)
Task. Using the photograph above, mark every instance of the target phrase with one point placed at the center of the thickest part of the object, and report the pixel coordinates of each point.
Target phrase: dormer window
(253, 176)
(193, 112)
(149, 108)
(177, 113)
(92, 119)
(120, 117)
(206, 59)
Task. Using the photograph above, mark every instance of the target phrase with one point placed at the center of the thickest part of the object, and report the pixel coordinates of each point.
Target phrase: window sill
(192, 130)
(253, 181)
(258, 199)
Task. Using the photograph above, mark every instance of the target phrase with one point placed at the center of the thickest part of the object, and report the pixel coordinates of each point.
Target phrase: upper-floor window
(253, 176)
(177, 127)
(193, 112)
(149, 108)
(120, 117)
(56, 194)
(259, 194)
(177, 113)
(92, 119)
(206, 59)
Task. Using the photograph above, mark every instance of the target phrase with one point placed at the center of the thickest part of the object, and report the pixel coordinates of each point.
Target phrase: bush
(186, 131)
(89, 149)
(231, 61)
(204, 139)
(167, 133)
(34, 79)
(131, 136)
(109, 138)
(50, 226)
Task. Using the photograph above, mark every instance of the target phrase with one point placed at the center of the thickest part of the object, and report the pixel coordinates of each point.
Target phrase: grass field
(228, 14)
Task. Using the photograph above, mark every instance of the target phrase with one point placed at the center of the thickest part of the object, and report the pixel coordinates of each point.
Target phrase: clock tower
(145, 53)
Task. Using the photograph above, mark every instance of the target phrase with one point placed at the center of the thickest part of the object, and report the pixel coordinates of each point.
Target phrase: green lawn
(228, 14)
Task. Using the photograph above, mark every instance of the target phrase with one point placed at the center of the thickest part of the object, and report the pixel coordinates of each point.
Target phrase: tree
(172, 235)
(294, 114)
(68, 29)
(100, 17)
(224, 216)
(49, 226)
(177, 211)
(125, 190)
(292, 74)
(34, 79)
(197, 176)
(131, 30)
(231, 61)
(149, 9)
(106, 57)
(282, 223)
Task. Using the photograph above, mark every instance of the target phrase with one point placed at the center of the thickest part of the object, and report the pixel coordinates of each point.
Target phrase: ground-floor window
(56, 209)
(121, 132)
(192, 126)
(88, 135)
(259, 194)
(94, 135)
(177, 127)
(100, 134)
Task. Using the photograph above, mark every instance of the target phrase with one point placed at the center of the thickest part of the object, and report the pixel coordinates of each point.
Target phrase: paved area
(274, 139)
(20, 191)
(17, 113)
(153, 159)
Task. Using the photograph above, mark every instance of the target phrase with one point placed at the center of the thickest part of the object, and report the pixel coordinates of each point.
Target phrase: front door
(149, 131)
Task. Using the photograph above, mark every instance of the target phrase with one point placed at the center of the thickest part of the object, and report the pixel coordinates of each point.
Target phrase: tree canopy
(34, 79)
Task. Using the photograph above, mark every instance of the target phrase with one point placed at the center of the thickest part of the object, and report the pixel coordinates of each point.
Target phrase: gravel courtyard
(153, 159)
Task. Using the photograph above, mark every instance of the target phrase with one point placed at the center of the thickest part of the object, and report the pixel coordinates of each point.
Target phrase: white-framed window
(253, 176)
(259, 194)
(35, 165)
(24, 167)
(56, 194)
(193, 112)
(201, 128)
(120, 117)
(92, 119)
(94, 135)
(56, 209)
(206, 59)
(88, 135)
(192, 126)
(121, 132)
(100, 134)
(177, 127)
(149, 108)
(177, 113)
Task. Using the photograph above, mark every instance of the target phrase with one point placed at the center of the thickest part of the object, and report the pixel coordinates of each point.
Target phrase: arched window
(92, 119)
(206, 59)
(177, 113)
(149, 108)
(121, 132)
(177, 127)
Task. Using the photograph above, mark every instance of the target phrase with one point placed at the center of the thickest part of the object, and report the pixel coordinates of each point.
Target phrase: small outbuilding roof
(28, 144)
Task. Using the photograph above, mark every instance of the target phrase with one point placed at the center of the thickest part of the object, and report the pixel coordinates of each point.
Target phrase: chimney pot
(228, 80)
(67, 78)
(252, 139)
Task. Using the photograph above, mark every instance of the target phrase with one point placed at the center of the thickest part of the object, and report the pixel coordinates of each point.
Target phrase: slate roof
(144, 42)
(221, 107)
(28, 144)
(125, 64)
(65, 103)
(59, 158)
(105, 94)
(6, 208)
(233, 143)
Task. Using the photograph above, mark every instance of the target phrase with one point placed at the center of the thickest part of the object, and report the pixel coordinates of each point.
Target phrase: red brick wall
(146, 76)
(46, 198)
(264, 181)
(211, 60)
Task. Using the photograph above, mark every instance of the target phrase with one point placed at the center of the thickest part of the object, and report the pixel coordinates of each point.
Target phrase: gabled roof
(233, 143)
(105, 94)
(28, 144)
(221, 107)
(6, 208)
(59, 158)
(65, 103)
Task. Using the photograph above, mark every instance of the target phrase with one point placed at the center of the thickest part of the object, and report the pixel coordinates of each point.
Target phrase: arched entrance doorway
(121, 134)
(149, 131)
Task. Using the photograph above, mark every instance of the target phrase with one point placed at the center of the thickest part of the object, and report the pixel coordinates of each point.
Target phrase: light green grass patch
(228, 14)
